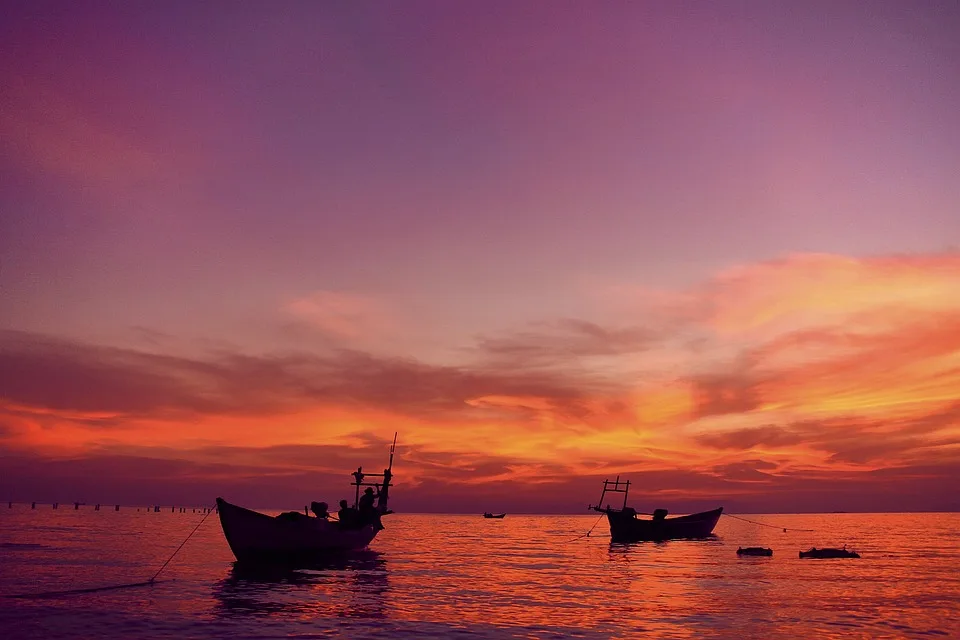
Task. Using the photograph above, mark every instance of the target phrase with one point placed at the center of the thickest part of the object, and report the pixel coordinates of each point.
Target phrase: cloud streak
(773, 394)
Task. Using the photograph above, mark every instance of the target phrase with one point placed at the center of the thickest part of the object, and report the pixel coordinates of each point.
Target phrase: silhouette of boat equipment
(626, 526)
(829, 553)
(494, 515)
(293, 537)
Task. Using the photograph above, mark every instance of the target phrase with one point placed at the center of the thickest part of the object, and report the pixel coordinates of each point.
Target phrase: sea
(463, 576)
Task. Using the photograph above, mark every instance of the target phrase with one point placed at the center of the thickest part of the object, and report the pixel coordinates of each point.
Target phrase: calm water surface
(463, 576)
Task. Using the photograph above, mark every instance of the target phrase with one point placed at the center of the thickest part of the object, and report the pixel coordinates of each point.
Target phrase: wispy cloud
(807, 378)
(564, 343)
(341, 315)
(42, 128)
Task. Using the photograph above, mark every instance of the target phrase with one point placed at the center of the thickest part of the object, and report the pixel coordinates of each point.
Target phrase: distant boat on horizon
(494, 515)
(625, 526)
(294, 537)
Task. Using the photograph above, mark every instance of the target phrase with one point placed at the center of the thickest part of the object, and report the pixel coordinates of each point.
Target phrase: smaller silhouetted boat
(754, 551)
(829, 553)
(494, 515)
(625, 526)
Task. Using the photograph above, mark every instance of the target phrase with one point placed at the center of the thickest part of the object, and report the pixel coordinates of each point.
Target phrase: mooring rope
(763, 524)
(146, 583)
(587, 534)
(70, 592)
(181, 545)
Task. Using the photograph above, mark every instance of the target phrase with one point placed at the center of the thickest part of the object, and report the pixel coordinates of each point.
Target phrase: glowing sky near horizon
(711, 248)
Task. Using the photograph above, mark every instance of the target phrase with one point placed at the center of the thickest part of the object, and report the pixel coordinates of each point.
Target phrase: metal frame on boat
(626, 526)
(257, 537)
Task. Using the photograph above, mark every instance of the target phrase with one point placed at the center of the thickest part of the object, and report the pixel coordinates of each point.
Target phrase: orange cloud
(770, 380)
(815, 289)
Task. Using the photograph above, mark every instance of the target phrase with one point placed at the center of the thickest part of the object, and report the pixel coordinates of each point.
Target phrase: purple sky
(418, 177)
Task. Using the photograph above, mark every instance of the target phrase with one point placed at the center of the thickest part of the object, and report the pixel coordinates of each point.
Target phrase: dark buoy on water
(829, 553)
(754, 551)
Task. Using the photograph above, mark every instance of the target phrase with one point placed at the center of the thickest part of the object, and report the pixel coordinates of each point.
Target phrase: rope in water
(146, 583)
(181, 545)
(587, 534)
(763, 524)
(70, 592)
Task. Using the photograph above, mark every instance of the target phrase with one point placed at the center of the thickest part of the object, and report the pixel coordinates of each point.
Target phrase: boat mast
(382, 488)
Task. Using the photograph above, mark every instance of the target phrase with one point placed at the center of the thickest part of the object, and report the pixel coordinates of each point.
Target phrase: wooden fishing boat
(626, 526)
(829, 553)
(494, 515)
(293, 537)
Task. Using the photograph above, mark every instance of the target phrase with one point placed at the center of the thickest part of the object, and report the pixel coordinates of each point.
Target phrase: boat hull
(257, 537)
(625, 526)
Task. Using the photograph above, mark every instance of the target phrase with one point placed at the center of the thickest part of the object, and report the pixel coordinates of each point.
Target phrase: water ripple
(517, 577)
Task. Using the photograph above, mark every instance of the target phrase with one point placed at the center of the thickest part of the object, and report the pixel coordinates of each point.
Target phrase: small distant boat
(294, 537)
(829, 553)
(625, 526)
(754, 551)
(494, 515)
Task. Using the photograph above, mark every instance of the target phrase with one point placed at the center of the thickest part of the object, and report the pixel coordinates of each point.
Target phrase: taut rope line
(587, 534)
(145, 583)
(763, 524)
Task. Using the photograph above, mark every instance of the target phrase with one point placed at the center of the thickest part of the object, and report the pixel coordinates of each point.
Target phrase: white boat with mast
(295, 537)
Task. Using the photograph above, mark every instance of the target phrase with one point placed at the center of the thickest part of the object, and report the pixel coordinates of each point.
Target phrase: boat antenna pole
(393, 448)
(387, 477)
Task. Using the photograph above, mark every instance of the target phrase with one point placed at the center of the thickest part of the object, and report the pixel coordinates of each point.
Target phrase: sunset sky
(711, 247)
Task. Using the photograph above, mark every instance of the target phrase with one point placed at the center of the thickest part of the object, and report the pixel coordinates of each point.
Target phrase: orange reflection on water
(524, 576)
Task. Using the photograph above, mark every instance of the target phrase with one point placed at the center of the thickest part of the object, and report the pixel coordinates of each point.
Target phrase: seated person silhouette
(348, 516)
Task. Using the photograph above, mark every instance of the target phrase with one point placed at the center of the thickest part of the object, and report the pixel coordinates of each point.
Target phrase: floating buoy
(754, 551)
(829, 553)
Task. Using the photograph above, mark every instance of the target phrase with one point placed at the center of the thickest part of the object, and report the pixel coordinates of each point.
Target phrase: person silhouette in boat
(366, 506)
(347, 515)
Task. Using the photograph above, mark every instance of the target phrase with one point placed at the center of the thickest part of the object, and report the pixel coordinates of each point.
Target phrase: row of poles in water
(116, 507)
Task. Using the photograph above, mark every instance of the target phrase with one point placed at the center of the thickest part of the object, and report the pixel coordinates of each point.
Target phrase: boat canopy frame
(613, 486)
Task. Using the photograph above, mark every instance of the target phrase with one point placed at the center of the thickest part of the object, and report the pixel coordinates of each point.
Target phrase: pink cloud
(342, 315)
